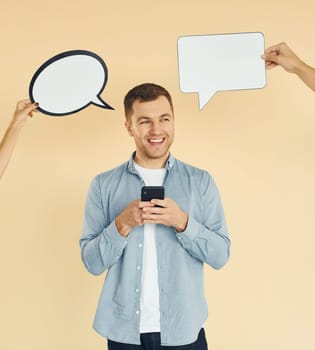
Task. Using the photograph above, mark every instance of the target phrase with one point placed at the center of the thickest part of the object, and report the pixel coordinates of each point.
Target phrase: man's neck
(151, 163)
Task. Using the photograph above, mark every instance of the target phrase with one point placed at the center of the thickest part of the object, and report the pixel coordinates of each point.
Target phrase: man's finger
(153, 210)
(150, 222)
(160, 202)
(142, 205)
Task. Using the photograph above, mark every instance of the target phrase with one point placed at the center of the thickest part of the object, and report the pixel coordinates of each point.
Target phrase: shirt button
(137, 312)
(125, 242)
(138, 267)
(140, 245)
(137, 290)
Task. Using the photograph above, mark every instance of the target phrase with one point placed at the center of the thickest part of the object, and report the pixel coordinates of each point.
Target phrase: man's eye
(165, 120)
(144, 122)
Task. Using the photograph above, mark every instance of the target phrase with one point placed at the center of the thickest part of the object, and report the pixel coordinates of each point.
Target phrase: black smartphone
(152, 192)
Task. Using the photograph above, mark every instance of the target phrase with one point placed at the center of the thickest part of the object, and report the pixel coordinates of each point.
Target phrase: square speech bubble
(220, 62)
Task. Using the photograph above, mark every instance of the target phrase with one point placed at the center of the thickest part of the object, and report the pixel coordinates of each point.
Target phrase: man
(154, 251)
(282, 55)
(24, 110)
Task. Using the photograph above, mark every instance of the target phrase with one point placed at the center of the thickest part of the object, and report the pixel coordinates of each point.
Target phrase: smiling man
(153, 294)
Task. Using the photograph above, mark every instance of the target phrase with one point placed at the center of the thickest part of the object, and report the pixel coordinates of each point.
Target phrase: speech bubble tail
(101, 103)
(205, 96)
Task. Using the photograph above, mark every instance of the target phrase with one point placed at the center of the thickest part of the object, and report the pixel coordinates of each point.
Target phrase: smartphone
(152, 192)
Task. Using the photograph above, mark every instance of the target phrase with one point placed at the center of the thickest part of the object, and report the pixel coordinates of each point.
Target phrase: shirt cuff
(114, 237)
(189, 234)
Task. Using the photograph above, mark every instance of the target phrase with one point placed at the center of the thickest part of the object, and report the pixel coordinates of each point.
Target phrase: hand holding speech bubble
(220, 62)
(69, 82)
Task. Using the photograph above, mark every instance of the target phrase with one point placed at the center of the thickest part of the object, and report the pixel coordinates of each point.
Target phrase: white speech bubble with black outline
(220, 62)
(69, 82)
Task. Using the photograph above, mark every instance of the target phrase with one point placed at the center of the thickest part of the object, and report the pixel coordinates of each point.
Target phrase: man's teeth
(156, 141)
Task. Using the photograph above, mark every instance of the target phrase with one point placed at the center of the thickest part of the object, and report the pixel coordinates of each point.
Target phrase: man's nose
(155, 128)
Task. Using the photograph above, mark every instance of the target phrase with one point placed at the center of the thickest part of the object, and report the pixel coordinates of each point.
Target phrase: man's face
(151, 124)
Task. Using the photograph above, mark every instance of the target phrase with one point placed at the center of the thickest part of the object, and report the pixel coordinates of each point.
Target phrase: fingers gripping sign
(282, 55)
(24, 109)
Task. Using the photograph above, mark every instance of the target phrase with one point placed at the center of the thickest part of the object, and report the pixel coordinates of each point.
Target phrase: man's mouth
(156, 141)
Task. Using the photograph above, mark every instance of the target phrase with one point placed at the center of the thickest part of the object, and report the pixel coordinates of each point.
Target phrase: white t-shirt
(150, 302)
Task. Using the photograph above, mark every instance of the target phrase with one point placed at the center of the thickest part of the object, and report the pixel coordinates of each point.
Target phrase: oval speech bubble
(69, 82)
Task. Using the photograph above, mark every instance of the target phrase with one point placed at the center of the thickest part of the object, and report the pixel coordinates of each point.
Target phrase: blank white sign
(69, 82)
(220, 62)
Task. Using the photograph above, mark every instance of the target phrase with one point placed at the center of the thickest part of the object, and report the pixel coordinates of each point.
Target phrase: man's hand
(282, 55)
(131, 217)
(168, 214)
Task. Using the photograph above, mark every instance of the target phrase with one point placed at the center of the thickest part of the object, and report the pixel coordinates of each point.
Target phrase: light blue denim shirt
(180, 256)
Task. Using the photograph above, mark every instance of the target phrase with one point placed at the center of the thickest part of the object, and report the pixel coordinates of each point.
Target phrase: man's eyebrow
(165, 115)
(143, 118)
(149, 118)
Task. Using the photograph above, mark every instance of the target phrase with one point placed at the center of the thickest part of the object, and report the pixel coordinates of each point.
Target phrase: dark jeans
(152, 341)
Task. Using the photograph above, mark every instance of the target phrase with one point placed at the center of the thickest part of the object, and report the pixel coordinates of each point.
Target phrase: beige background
(257, 144)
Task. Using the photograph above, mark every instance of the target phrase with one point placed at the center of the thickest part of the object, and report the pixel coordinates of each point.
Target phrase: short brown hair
(145, 92)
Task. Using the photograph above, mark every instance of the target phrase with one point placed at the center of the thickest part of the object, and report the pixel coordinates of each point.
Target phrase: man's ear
(129, 128)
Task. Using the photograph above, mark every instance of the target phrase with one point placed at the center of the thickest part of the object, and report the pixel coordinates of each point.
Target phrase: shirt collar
(169, 163)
